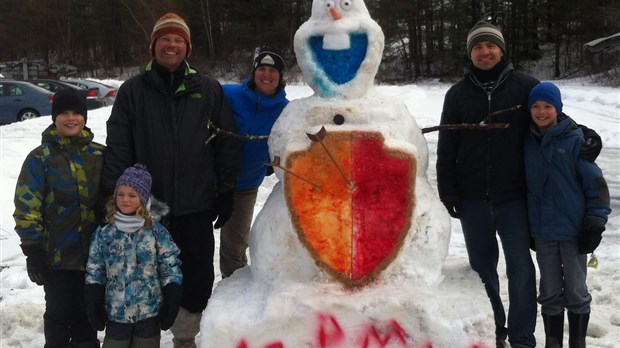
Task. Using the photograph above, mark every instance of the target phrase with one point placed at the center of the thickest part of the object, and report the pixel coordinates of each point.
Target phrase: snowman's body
(349, 248)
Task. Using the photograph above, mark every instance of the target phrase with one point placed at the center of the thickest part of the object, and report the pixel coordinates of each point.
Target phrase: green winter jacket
(55, 197)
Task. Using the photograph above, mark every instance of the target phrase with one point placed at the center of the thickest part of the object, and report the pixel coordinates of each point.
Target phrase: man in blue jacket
(256, 104)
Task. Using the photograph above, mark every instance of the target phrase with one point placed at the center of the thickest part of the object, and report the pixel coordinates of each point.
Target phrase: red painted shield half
(352, 231)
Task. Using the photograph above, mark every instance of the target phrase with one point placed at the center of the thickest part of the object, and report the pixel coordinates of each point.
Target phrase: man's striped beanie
(484, 31)
(171, 23)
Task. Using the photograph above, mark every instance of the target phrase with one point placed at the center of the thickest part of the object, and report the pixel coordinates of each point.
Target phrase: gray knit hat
(484, 31)
(139, 179)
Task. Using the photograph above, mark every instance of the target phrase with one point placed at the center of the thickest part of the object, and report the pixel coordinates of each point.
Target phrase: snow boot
(185, 328)
(554, 330)
(89, 344)
(577, 327)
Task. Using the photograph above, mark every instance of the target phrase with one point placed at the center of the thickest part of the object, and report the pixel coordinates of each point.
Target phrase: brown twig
(318, 137)
(217, 131)
(486, 126)
(276, 164)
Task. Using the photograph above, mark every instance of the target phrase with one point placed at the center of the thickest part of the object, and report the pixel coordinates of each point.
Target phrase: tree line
(423, 38)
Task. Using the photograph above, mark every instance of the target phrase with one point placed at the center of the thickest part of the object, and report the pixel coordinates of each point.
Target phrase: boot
(577, 327)
(554, 330)
(185, 328)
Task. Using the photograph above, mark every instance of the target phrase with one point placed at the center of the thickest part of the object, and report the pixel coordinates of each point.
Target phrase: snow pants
(563, 272)
(142, 334)
(193, 234)
(481, 220)
(65, 323)
(235, 234)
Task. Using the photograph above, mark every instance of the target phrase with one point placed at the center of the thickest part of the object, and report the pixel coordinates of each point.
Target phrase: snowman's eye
(329, 4)
(338, 119)
(346, 4)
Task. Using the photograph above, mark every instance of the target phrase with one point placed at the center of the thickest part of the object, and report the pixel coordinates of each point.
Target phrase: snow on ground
(22, 303)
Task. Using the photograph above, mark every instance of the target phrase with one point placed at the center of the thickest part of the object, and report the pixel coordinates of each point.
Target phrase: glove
(454, 208)
(37, 264)
(269, 171)
(170, 308)
(591, 236)
(593, 145)
(223, 208)
(94, 295)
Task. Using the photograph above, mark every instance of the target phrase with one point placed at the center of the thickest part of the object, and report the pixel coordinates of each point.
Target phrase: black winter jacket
(485, 164)
(168, 132)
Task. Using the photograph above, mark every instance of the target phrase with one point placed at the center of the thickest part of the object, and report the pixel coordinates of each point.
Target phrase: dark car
(92, 95)
(106, 93)
(21, 100)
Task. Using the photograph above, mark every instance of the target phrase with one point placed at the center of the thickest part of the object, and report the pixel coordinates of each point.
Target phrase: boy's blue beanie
(548, 92)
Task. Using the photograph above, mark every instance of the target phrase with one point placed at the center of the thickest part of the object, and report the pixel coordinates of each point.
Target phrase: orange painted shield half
(354, 219)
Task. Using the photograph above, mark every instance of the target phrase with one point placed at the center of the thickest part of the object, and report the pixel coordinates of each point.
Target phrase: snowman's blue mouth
(340, 66)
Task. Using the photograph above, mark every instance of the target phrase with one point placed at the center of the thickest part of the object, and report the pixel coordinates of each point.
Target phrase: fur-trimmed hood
(159, 209)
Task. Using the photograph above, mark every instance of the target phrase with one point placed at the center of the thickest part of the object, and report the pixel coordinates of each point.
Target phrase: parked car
(106, 93)
(21, 100)
(92, 99)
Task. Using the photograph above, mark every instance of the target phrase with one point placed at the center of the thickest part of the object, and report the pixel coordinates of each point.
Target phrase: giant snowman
(349, 249)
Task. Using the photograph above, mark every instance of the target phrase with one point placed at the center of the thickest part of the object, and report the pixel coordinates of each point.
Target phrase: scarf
(127, 223)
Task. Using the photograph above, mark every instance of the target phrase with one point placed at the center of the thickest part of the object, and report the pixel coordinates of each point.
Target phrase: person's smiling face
(267, 79)
(170, 51)
(70, 123)
(485, 55)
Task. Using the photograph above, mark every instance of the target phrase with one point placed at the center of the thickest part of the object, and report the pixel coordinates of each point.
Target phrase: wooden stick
(276, 164)
(486, 126)
(319, 137)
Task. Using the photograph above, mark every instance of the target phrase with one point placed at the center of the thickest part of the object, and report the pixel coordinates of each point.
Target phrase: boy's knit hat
(267, 55)
(138, 178)
(483, 31)
(548, 92)
(69, 99)
(171, 23)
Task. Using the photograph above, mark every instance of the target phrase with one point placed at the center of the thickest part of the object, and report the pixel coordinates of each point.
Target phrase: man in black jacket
(481, 178)
(160, 118)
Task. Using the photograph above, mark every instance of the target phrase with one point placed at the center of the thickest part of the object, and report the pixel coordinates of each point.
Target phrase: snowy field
(22, 303)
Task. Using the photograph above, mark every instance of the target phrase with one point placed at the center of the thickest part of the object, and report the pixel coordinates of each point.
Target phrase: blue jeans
(481, 219)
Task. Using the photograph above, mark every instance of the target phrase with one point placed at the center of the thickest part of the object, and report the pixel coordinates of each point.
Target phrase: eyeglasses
(169, 40)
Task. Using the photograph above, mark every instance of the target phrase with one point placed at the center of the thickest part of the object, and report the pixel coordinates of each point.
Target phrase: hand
(592, 147)
(454, 209)
(223, 208)
(591, 236)
(170, 308)
(94, 295)
(37, 265)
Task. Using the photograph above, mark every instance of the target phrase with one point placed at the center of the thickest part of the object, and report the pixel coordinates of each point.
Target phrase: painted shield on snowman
(351, 201)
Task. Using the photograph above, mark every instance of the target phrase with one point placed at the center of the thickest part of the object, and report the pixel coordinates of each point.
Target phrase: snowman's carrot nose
(335, 13)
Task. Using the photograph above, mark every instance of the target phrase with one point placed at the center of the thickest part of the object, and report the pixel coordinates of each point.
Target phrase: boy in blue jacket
(568, 205)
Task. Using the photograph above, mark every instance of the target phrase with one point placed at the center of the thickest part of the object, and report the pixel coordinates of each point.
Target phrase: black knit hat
(483, 31)
(68, 99)
(267, 55)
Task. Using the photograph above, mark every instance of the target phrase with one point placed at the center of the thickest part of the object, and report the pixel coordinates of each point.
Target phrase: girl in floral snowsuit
(133, 272)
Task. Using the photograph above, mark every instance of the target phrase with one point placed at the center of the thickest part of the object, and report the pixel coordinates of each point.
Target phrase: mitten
(94, 295)
(591, 236)
(170, 308)
(453, 207)
(37, 264)
(593, 145)
(223, 208)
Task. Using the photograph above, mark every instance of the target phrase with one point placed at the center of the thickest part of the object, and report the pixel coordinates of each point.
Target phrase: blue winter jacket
(563, 189)
(255, 114)
(134, 267)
